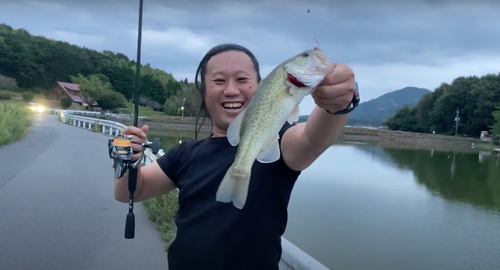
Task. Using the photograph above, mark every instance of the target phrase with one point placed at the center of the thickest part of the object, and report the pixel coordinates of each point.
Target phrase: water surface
(364, 207)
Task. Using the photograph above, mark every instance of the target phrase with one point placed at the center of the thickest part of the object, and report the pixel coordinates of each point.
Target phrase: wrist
(351, 106)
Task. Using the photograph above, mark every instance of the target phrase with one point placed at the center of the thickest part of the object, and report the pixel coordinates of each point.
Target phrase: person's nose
(231, 89)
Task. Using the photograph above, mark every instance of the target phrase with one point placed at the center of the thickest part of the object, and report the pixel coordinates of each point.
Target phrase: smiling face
(230, 80)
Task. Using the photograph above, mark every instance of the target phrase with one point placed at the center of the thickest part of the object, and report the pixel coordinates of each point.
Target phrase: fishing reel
(120, 150)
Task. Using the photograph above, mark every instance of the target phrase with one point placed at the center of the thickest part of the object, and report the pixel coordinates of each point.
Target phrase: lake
(367, 207)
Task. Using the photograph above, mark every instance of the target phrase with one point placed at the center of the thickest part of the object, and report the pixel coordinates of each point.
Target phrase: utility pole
(457, 119)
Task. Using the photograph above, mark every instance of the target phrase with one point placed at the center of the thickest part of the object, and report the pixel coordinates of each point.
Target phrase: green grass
(143, 111)
(19, 94)
(162, 210)
(486, 146)
(15, 121)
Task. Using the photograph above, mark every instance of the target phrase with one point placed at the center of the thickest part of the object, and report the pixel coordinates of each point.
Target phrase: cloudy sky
(388, 44)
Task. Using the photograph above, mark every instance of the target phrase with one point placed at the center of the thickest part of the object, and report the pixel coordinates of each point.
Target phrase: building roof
(73, 87)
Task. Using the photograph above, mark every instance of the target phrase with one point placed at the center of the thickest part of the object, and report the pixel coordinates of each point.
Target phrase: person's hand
(336, 91)
(139, 136)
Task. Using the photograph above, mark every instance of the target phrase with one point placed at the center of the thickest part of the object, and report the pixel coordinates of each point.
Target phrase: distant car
(35, 107)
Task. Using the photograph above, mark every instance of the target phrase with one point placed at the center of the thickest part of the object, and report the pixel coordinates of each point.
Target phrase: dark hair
(201, 71)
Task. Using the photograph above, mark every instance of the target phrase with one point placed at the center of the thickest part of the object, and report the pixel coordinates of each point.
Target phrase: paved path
(57, 209)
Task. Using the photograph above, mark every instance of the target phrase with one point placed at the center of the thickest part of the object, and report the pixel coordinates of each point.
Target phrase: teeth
(233, 105)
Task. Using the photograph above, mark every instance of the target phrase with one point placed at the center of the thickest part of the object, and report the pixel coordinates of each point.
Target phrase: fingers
(340, 74)
(335, 91)
(138, 138)
(140, 133)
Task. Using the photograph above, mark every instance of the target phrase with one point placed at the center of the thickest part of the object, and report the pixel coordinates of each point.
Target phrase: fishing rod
(120, 147)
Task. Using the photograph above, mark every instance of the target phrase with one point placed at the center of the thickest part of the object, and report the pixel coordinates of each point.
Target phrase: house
(485, 136)
(71, 90)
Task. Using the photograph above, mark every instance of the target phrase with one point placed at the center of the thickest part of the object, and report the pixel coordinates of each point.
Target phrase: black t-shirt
(215, 235)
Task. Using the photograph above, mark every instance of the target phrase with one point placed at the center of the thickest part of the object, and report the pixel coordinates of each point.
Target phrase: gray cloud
(389, 44)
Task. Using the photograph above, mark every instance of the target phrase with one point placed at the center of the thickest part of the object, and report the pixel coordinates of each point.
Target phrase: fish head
(308, 69)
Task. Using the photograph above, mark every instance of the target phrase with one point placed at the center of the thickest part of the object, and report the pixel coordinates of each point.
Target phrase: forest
(477, 99)
(30, 63)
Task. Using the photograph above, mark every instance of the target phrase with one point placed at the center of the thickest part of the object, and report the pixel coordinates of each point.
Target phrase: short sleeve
(169, 162)
(285, 127)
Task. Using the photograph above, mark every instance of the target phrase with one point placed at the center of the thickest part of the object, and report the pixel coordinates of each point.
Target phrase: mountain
(374, 112)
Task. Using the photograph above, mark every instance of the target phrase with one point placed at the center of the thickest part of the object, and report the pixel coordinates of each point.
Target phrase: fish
(255, 131)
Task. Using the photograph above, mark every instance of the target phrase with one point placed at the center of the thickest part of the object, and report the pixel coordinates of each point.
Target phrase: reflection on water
(170, 139)
(362, 207)
(467, 177)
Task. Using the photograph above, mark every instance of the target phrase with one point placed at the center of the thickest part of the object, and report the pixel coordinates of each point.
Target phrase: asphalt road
(57, 209)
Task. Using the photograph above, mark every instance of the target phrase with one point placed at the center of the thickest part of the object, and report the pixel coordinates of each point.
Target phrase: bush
(66, 102)
(5, 95)
(15, 121)
(7, 83)
(28, 96)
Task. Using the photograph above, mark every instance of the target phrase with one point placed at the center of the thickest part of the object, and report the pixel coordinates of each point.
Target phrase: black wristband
(354, 103)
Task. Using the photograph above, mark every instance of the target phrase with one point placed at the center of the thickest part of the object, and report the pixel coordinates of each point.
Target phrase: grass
(15, 121)
(143, 111)
(486, 146)
(162, 210)
(18, 94)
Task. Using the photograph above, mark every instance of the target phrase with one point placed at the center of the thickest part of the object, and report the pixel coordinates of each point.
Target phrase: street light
(182, 108)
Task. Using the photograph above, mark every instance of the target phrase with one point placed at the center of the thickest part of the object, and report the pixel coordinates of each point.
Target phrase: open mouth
(232, 106)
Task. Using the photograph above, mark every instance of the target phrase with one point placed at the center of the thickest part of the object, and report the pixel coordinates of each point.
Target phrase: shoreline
(185, 126)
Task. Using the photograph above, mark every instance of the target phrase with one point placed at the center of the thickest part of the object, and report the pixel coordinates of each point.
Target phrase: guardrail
(74, 112)
(91, 113)
(292, 258)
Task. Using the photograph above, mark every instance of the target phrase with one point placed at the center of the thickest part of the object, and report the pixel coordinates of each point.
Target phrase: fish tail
(234, 188)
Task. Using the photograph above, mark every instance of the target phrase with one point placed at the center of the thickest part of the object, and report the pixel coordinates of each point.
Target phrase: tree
(96, 87)
(36, 62)
(495, 128)
(192, 104)
(475, 97)
(404, 120)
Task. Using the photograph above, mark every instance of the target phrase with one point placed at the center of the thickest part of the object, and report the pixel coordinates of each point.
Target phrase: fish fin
(234, 188)
(294, 116)
(233, 131)
(271, 153)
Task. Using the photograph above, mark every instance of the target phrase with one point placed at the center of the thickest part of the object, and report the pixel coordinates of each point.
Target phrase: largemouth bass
(256, 129)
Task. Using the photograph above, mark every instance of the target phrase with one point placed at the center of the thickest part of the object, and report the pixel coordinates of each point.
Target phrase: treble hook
(317, 41)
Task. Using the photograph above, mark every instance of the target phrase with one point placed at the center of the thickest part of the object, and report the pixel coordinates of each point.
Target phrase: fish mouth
(321, 60)
(233, 106)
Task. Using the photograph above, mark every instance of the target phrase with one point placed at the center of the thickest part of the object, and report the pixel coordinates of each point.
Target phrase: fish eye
(306, 54)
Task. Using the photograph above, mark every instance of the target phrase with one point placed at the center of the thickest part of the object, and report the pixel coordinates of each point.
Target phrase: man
(214, 235)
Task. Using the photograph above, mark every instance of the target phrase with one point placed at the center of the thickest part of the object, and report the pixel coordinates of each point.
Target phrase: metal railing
(292, 258)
